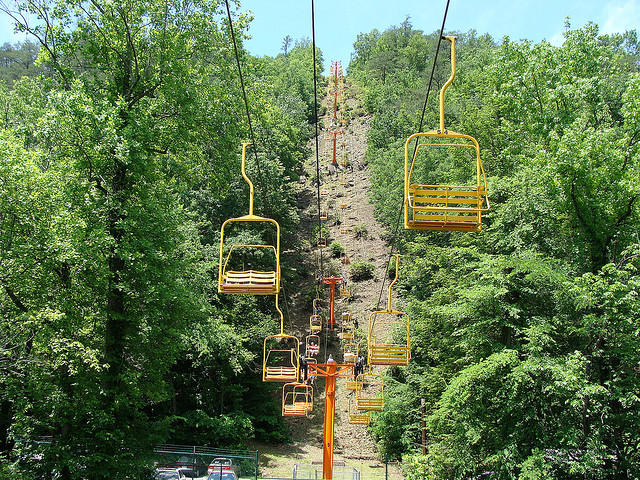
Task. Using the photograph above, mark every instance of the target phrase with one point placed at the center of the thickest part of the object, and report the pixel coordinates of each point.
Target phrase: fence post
(386, 467)
(256, 469)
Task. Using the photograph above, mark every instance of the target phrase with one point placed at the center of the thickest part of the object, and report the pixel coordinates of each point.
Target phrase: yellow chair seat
(297, 409)
(359, 418)
(280, 374)
(389, 354)
(249, 281)
(370, 404)
(443, 207)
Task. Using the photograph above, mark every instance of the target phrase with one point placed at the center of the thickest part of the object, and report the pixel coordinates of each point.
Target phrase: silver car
(222, 476)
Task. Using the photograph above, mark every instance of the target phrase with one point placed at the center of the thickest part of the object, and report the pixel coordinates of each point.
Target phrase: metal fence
(314, 472)
(243, 462)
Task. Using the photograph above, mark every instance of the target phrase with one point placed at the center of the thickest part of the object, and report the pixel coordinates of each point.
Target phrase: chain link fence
(314, 472)
(204, 459)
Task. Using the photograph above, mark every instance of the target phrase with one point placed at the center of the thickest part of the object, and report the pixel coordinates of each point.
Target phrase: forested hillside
(119, 161)
(525, 335)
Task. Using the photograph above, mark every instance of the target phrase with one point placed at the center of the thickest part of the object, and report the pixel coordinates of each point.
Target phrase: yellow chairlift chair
(350, 352)
(347, 329)
(389, 322)
(312, 345)
(280, 360)
(370, 392)
(315, 323)
(317, 303)
(357, 417)
(444, 207)
(297, 399)
(248, 280)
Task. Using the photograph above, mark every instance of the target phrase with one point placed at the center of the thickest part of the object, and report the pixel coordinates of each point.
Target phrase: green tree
(286, 43)
(363, 47)
(17, 61)
(567, 109)
(513, 344)
(127, 126)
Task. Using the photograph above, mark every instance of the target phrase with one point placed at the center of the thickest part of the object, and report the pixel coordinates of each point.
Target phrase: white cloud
(557, 40)
(618, 18)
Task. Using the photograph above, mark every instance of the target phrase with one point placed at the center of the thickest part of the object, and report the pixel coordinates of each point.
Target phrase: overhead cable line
(315, 121)
(246, 106)
(244, 92)
(424, 108)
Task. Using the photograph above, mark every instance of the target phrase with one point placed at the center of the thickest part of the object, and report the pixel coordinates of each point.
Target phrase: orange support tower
(330, 371)
(335, 70)
(332, 282)
(335, 134)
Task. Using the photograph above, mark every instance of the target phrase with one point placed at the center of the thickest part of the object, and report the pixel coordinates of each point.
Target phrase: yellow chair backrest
(370, 392)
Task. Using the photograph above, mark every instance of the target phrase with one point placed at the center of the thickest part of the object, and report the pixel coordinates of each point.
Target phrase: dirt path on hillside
(353, 445)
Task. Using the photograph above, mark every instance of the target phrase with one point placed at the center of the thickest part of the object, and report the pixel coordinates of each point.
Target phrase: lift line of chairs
(426, 207)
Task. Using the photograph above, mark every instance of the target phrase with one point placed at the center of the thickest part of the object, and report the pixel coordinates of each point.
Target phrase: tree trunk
(116, 323)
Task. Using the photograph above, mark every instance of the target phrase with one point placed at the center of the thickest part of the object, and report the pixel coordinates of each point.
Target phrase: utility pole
(424, 427)
(335, 134)
(386, 467)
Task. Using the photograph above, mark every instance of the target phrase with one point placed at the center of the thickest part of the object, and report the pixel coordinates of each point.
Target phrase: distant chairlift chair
(280, 360)
(397, 350)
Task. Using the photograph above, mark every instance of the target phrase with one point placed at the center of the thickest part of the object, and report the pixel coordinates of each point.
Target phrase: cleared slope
(354, 445)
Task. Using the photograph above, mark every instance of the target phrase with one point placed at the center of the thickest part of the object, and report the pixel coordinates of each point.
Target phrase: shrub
(360, 231)
(332, 268)
(361, 271)
(336, 249)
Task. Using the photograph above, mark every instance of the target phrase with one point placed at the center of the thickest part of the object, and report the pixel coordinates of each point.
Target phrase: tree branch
(47, 41)
(632, 141)
(14, 298)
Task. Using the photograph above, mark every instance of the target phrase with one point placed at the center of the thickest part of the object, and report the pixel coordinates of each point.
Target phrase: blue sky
(338, 22)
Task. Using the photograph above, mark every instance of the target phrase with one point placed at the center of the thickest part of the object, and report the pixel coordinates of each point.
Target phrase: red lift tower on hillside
(332, 282)
(335, 134)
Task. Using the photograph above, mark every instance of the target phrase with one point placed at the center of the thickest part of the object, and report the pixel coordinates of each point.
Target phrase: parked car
(222, 476)
(223, 464)
(188, 473)
(174, 473)
(194, 462)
